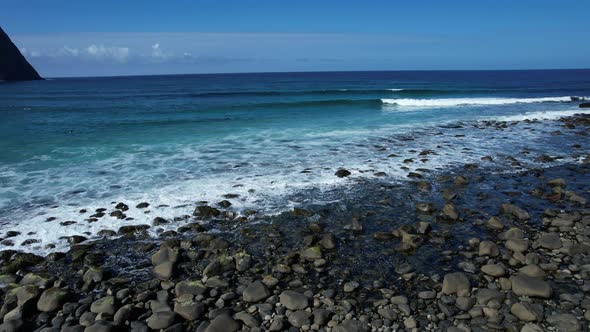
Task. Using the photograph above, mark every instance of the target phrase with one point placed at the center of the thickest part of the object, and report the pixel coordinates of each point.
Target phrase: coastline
(463, 249)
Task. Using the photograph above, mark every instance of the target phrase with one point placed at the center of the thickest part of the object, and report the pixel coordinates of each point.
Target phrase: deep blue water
(67, 144)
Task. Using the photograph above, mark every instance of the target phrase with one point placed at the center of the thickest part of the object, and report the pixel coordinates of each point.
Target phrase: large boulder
(52, 299)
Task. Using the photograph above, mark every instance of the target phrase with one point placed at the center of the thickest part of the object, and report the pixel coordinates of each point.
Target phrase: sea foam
(451, 102)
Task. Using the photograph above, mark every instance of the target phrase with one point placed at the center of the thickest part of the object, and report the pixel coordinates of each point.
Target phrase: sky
(128, 37)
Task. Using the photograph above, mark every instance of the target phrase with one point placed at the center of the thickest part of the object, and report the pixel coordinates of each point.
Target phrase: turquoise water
(71, 144)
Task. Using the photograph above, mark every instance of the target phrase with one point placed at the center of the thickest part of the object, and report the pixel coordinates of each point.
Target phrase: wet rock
(495, 224)
(350, 286)
(105, 305)
(515, 211)
(488, 248)
(294, 300)
(224, 204)
(52, 299)
(550, 241)
(449, 213)
(341, 173)
(523, 285)
(494, 270)
(159, 221)
(206, 212)
(517, 245)
(584, 105)
(454, 283)
(118, 214)
(131, 229)
(355, 225)
(564, 322)
(142, 205)
(527, 312)
(255, 292)
(328, 241)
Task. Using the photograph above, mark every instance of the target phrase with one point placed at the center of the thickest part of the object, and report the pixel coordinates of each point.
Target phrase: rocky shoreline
(463, 250)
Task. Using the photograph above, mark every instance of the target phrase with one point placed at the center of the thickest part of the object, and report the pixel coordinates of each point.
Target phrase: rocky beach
(495, 245)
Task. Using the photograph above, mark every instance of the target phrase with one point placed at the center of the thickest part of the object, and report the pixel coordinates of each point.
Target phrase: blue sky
(126, 37)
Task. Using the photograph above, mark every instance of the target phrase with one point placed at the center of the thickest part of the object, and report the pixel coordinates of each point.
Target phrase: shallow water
(273, 139)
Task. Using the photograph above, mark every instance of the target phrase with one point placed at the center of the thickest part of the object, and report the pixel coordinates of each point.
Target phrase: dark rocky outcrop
(585, 105)
(13, 65)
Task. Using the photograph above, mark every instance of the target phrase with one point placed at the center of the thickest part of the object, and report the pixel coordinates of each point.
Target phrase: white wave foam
(395, 89)
(542, 115)
(449, 102)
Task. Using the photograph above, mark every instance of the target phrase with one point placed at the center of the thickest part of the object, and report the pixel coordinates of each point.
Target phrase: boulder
(52, 299)
(223, 323)
(294, 300)
(523, 285)
(515, 211)
(527, 312)
(454, 283)
(255, 292)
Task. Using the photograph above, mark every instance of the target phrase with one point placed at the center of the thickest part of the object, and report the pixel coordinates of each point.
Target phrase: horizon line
(318, 71)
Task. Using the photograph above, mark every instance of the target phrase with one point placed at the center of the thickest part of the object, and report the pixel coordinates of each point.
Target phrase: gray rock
(299, 318)
(488, 248)
(294, 300)
(163, 271)
(523, 285)
(530, 327)
(255, 292)
(278, 324)
(564, 322)
(223, 323)
(321, 316)
(247, 319)
(495, 224)
(494, 270)
(52, 299)
(485, 295)
(454, 283)
(161, 320)
(105, 305)
(515, 212)
(189, 310)
(517, 245)
(527, 312)
(550, 241)
(465, 303)
(122, 314)
(100, 326)
(349, 325)
(189, 287)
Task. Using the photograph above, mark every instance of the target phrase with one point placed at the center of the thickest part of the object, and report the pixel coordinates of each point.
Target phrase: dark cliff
(13, 65)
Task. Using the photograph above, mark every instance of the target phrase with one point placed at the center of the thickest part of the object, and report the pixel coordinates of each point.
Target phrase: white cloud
(119, 54)
(157, 51)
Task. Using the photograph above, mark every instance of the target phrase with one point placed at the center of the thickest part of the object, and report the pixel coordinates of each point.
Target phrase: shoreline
(458, 250)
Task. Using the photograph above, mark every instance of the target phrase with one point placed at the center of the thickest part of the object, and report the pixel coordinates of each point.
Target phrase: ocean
(264, 142)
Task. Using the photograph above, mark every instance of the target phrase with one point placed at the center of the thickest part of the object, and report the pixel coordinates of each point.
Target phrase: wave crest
(450, 102)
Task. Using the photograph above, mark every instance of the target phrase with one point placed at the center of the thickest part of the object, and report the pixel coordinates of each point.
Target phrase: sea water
(273, 141)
